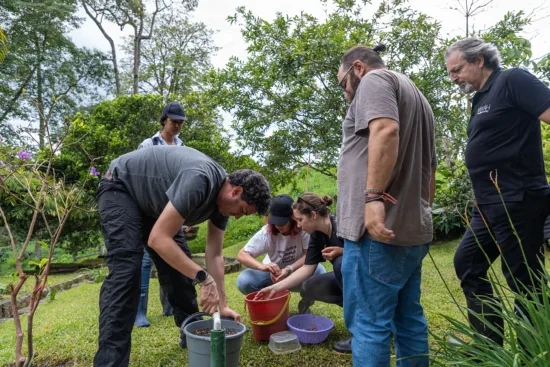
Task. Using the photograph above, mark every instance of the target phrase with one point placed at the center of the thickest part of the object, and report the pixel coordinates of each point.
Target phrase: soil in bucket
(268, 316)
(199, 348)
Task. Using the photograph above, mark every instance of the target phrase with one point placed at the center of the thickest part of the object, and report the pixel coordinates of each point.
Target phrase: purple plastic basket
(300, 324)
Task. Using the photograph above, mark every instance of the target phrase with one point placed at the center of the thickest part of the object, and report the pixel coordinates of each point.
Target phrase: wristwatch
(200, 277)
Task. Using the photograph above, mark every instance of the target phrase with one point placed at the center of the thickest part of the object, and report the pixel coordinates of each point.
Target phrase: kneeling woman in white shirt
(285, 245)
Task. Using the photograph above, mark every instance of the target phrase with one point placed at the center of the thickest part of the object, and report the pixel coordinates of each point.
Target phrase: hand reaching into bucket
(227, 312)
(266, 293)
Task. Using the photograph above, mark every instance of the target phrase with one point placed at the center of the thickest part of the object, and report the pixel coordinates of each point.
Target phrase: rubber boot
(141, 317)
(167, 309)
(489, 312)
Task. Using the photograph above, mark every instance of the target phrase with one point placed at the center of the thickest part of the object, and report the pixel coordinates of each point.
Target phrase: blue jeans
(381, 297)
(251, 280)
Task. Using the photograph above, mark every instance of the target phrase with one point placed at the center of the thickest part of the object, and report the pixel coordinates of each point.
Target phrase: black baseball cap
(175, 111)
(280, 210)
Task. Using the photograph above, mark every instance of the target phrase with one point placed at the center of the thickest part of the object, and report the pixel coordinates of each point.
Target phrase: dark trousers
(325, 287)
(472, 260)
(126, 230)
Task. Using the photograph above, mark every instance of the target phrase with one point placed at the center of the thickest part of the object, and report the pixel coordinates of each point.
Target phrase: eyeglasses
(341, 83)
(307, 202)
(457, 69)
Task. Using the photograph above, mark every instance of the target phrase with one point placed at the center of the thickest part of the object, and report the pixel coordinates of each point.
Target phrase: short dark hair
(256, 189)
(163, 119)
(311, 202)
(369, 56)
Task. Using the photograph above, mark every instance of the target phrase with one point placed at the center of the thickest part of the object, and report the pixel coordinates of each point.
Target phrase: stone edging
(24, 300)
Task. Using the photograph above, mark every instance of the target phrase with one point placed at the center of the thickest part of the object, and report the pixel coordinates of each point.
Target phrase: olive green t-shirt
(387, 94)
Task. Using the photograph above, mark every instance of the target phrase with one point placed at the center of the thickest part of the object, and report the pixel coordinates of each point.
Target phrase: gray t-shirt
(387, 94)
(184, 176)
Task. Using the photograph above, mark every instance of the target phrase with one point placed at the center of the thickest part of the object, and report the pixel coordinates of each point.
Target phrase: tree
(176, 57)
(33, 183)
(43, 67)
(284, 98)
(131, 13)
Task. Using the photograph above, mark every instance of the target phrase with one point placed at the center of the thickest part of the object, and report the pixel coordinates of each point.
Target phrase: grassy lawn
(29, 284)
(66, 328)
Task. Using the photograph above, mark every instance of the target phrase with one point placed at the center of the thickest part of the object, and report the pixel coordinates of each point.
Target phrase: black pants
(126, 230)
(325, 287)
(472, 261)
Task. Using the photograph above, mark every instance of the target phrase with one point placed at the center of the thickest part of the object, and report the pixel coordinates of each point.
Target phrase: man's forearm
(216, 267)
(382, 153)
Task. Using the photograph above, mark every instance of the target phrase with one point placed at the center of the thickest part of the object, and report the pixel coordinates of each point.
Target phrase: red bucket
(268, 316)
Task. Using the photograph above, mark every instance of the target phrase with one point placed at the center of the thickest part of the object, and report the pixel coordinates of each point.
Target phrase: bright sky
(215, 12)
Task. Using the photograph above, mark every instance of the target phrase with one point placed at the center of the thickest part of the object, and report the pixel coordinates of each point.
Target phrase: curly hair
(256, 189)
(311, 202)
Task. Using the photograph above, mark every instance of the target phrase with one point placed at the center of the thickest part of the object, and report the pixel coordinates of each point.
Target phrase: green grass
(66, 328)
(29, 284)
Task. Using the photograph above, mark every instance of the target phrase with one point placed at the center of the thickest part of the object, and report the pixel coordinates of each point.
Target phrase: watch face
(201, 276)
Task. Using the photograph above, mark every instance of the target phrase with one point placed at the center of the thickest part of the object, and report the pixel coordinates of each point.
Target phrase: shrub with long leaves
(526, 316)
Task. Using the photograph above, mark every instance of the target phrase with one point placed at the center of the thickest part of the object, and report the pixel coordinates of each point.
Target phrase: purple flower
(94, 172)
(24, 155)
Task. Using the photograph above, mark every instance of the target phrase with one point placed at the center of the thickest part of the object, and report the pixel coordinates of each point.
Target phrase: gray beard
(466, 88)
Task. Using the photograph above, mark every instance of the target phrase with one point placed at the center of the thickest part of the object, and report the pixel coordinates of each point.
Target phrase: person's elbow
(155, 241)
(241, 256)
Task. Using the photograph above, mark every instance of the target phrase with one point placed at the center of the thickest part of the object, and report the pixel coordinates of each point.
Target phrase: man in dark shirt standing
(143, 200)
(504, 145)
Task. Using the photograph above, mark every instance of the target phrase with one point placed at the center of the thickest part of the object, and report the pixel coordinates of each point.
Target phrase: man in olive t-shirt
(385, 189)
(143, 200)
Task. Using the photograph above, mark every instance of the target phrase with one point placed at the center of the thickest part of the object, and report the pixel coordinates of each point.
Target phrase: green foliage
(453, 201)
(4, 289)
(3, 45)
(99, 274)
(237, 231)
(526, 335)
(545, 132)
(45, 75)
(52, 293)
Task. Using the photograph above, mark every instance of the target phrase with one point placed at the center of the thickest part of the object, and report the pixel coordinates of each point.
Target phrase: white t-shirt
(282, 250)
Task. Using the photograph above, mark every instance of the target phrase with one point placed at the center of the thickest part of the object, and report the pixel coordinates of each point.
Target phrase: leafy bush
(453, 196)
(526, 336)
